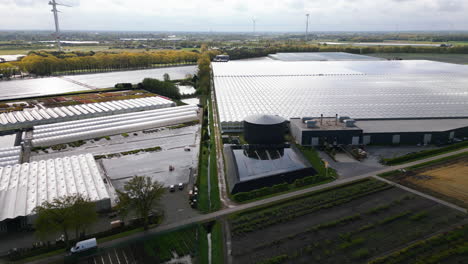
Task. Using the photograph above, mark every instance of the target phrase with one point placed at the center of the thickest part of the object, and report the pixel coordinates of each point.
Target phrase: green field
(450, 58)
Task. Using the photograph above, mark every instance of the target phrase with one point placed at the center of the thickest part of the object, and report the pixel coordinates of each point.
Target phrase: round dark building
(264, 129)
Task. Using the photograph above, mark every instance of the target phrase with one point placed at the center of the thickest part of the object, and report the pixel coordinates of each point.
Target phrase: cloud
(234, 15)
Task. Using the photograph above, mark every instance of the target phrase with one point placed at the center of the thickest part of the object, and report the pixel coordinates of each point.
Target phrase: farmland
(353, 223)
(449, 247)
(449, 58)
(446, 180)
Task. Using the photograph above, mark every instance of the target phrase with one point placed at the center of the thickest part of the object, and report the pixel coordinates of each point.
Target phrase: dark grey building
(380, 132)
(321, 130)
(264, 129)
(249, 169)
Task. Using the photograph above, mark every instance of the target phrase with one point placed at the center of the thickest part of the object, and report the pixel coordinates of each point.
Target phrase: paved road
(225, 212)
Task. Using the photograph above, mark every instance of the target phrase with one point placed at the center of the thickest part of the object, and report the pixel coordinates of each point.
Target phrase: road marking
(117, 256)
(125, 256)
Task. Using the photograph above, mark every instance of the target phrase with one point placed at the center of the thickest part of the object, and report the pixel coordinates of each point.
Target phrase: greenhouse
(66, 132)
(359, 89)
(25, 186)
(321, 56)
(33, 117)
(10, 156)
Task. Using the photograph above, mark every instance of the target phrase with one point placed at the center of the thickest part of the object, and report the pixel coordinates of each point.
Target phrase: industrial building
(65, 132)
(345, 131)
(25, 186)
(32, 117)
(391, 102)
(266, 160)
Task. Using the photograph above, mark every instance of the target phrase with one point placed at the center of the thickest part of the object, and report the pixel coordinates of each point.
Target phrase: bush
(361, 253)
(163, 88)
(245, 196)
(275, 260)
(124, 85)
(124, 134)
(424, 154)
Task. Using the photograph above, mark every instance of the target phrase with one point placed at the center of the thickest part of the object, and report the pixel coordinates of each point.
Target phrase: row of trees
(204, 70)
(76, 214)
(7, 70)
(244, 52)
(43, 63)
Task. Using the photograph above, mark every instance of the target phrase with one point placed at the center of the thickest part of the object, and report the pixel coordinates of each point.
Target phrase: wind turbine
(254, 20)
(57, 27)
(307, 27)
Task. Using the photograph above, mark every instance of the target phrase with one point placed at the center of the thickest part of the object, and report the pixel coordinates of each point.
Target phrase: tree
(168, 89)
(141, 195)
(166, 77)
(65, 214)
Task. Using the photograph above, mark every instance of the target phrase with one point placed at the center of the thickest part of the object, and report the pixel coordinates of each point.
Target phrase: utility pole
(57, 27)
(307, 27)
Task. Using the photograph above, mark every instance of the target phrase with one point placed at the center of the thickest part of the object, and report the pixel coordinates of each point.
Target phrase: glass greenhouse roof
(374, 90)
(321, 56)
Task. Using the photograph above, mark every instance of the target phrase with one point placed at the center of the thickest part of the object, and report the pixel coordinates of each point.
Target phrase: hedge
(245, 196)
(424, 154)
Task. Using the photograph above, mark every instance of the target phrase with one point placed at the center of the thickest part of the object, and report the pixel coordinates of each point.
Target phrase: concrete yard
(349, 167)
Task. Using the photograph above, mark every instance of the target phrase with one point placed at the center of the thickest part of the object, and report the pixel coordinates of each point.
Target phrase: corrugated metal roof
(25, 186)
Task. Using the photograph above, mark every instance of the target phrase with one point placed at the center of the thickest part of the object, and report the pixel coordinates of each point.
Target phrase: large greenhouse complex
(25, 186)
(359, 90)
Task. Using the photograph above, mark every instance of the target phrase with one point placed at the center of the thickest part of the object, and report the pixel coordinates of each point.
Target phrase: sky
(237, 15)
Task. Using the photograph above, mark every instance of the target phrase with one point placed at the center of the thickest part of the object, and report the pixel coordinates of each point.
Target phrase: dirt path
(223, 192)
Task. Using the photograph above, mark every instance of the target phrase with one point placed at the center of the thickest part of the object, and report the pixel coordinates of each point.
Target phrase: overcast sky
(236, 15)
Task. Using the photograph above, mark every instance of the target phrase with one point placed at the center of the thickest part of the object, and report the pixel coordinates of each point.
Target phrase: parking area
(113, 256)
(346, 166)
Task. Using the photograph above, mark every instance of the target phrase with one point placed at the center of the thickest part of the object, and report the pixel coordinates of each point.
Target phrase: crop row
(345, 243)
(343, 221)
(287, 211)
(433, 250)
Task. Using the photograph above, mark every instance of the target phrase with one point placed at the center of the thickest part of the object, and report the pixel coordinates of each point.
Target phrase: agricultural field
(449, 247)
(446, 180)
(352, 223)
(450, 58)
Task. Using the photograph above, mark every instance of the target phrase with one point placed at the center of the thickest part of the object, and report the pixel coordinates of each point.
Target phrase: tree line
(246, 52)
(44, 63)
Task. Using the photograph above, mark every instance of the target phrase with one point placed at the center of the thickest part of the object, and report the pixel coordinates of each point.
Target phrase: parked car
(172, 188)
(84, 245)
(181, 186)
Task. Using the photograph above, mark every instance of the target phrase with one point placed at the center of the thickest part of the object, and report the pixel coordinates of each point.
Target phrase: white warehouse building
(25, 186)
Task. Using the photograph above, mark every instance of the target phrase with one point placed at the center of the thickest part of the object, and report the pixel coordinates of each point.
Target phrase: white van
(84, 245)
